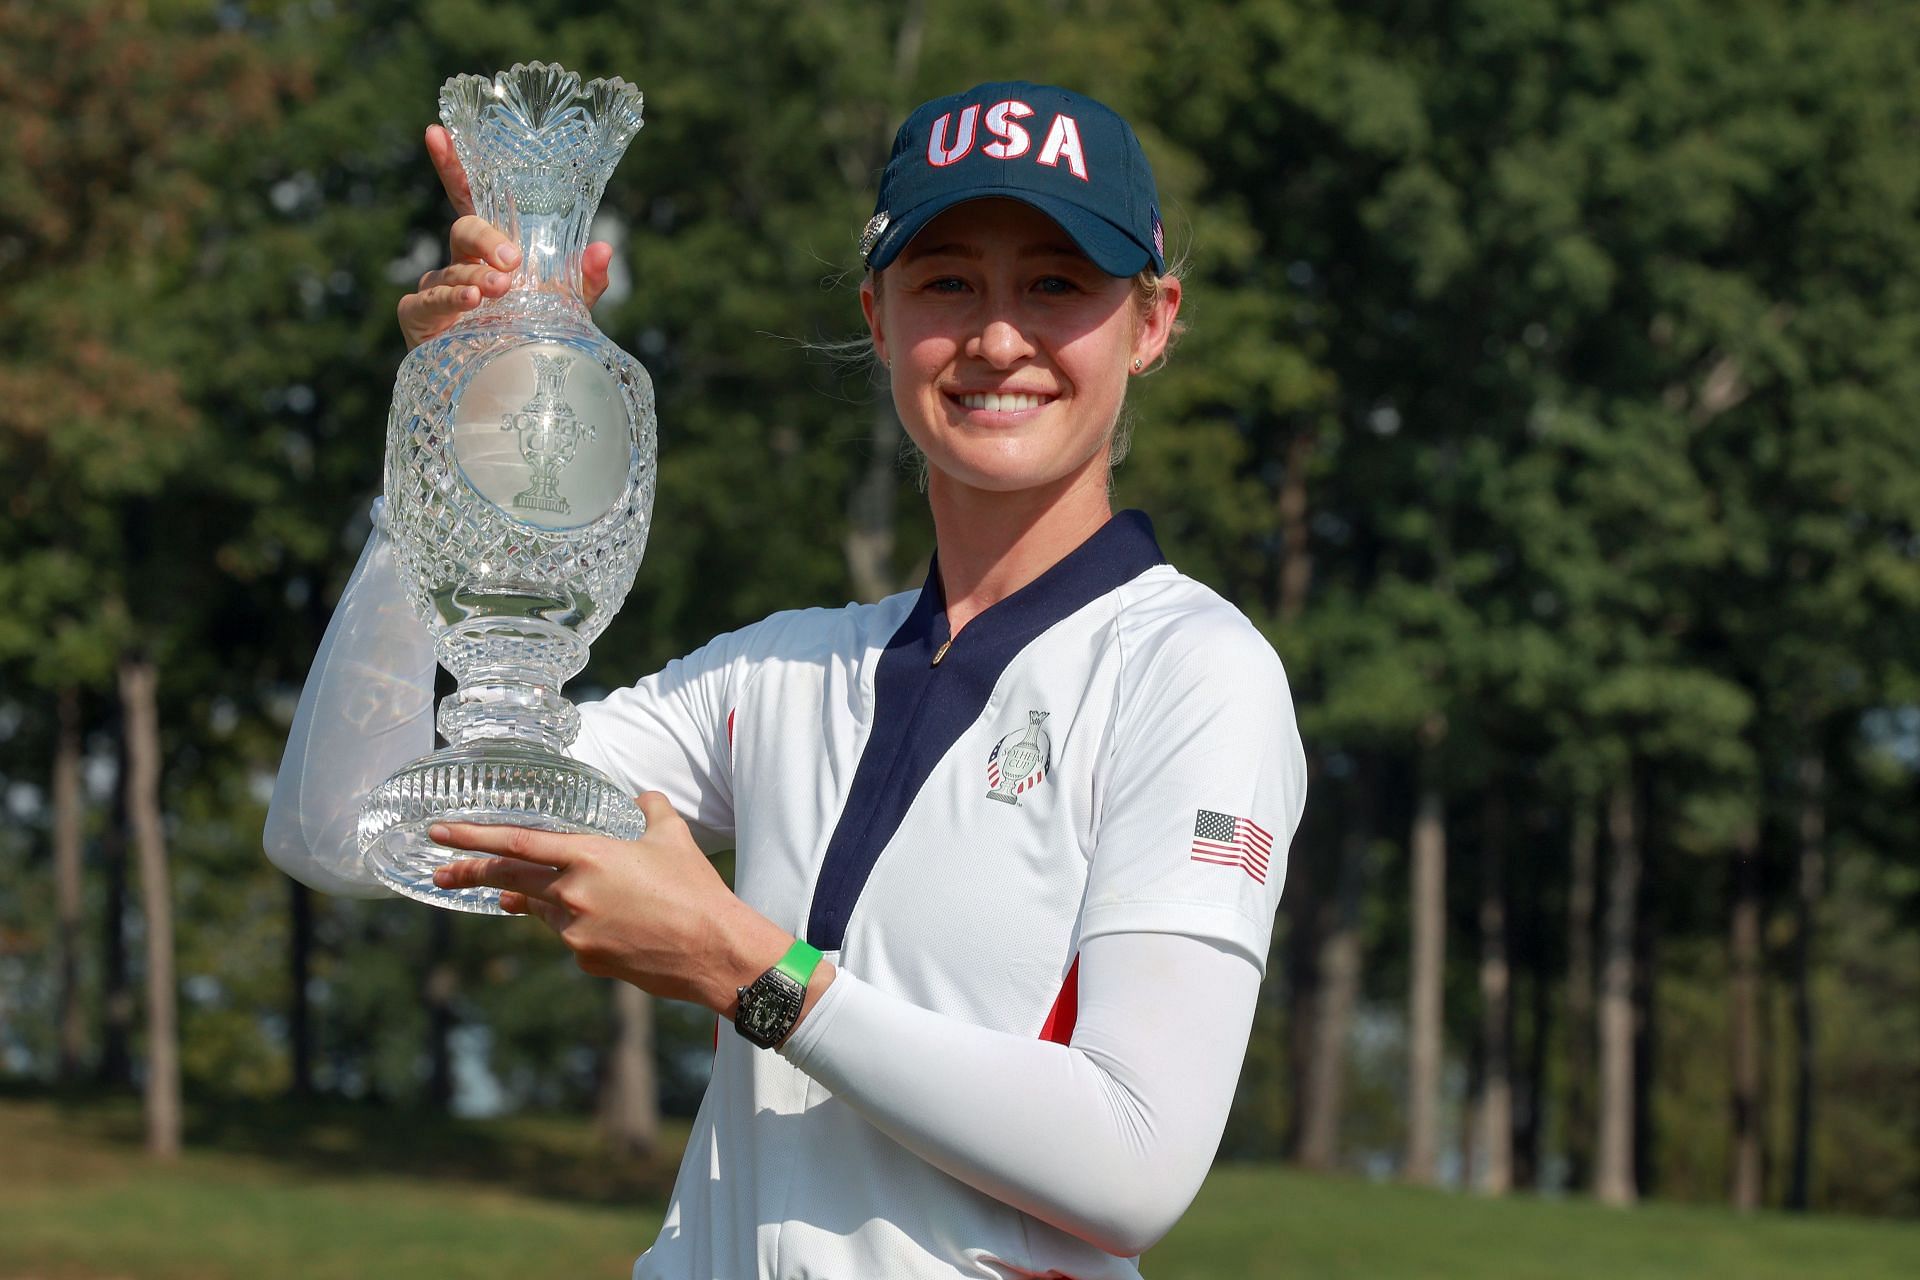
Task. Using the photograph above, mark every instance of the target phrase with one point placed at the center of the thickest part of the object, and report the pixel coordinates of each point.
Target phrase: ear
(870, 308)
(1156, 327)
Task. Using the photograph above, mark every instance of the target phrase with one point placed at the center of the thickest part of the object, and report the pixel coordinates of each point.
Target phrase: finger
(548, 848)
(519, 904)
(478, 274)
(528, 879)
(424, 314)
(594, 264)
(658, 810)
(446, 163)
(474, 239)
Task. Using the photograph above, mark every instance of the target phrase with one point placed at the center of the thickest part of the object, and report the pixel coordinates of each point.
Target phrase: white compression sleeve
(1108, 1137)
(367, 709)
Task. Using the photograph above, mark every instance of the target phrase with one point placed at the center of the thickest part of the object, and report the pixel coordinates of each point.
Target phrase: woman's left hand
(651, 911)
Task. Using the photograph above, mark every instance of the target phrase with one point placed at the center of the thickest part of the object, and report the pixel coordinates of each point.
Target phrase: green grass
(337, 1193)
(316, 1197)
(1257, 1220)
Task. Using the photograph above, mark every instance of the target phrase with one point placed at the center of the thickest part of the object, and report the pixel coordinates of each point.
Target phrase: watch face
(769, 1008)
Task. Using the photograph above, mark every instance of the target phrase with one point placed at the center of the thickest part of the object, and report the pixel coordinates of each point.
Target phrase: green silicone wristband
(800, 962)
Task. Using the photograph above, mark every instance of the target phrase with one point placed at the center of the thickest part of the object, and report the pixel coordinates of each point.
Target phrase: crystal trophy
(519, 482)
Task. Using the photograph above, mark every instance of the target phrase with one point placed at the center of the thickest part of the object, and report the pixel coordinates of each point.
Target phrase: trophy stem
(510, 672)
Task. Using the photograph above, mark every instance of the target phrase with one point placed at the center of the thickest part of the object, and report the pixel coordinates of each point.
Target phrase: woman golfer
(1008, 846)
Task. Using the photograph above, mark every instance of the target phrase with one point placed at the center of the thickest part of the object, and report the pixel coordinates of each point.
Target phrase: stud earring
(1136, 364)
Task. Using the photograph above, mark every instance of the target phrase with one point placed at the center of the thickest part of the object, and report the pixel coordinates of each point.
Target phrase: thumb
(594, 265)
(657, 810)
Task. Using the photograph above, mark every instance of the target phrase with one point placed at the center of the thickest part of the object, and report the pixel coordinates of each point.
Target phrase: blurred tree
(68, 888)
(97, 220)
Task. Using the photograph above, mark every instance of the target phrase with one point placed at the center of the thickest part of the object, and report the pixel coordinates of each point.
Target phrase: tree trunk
(630, 1095)
(1613, 1166)
(869, 540)
(1296, 569)
(1580, 1013)
(1312, 922)
(1743, 1018)
(68, 821)
(299, 976)
(441, 985)
(1812, 872)
(1338, 966)
(1496, 1004)
(1469, 1151)
(1646, 1026)
(1301, 905)
(868, 543)
(1530, 1112)
(1424, 1032)
(115, 1068)
(300, 912)
(139, 704)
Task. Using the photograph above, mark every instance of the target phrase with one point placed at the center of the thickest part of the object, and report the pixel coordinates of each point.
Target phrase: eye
(1055, 286)
(944, 284)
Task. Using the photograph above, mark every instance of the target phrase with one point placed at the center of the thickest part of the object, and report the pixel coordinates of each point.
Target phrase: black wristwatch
(769, 1008)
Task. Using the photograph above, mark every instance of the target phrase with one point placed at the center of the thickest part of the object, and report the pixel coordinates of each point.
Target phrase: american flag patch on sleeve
(1227, 841)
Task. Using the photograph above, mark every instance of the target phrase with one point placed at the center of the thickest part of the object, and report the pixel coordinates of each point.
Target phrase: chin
(997, 472)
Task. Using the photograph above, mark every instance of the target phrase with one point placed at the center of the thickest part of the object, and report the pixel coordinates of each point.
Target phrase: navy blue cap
(1066, 155)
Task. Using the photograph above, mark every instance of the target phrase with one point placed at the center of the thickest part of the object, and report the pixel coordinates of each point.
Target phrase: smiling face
(1009, 350)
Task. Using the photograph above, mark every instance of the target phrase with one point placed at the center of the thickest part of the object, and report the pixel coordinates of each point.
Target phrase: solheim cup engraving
(519, 481)
(550, 434)
(543, 438)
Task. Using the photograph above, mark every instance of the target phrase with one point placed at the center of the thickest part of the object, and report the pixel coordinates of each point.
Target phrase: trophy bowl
(519, 483)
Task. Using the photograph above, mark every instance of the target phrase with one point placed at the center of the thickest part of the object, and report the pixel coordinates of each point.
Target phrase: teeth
(996, 403)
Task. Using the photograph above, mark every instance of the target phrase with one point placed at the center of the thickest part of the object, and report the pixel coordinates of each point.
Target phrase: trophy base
(498, 781)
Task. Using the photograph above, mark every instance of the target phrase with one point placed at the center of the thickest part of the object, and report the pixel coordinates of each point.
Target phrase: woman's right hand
(483, 258)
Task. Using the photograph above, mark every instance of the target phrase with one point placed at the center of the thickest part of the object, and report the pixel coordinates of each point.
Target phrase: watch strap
(799, 962)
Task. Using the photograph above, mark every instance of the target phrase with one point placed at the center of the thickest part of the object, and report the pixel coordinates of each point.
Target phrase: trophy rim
(616, 89)
(540, 121)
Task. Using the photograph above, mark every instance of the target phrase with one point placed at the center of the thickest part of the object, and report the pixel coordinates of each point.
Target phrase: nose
(1001, 342)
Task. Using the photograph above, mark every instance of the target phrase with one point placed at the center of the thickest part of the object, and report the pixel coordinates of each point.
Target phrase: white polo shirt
(1111, 749)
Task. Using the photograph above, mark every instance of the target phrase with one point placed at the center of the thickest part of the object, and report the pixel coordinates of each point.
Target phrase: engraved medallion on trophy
(519, 483)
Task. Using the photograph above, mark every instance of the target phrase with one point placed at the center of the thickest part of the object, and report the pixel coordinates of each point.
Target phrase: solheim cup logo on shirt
(1020, 760)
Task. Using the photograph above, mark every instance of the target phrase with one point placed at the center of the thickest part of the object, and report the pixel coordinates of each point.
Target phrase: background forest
(1550, 402)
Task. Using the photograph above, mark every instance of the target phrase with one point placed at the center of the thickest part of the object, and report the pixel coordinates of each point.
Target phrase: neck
(992, 544)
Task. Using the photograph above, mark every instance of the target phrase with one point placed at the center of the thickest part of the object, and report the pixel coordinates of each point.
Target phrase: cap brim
(1106, 246)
